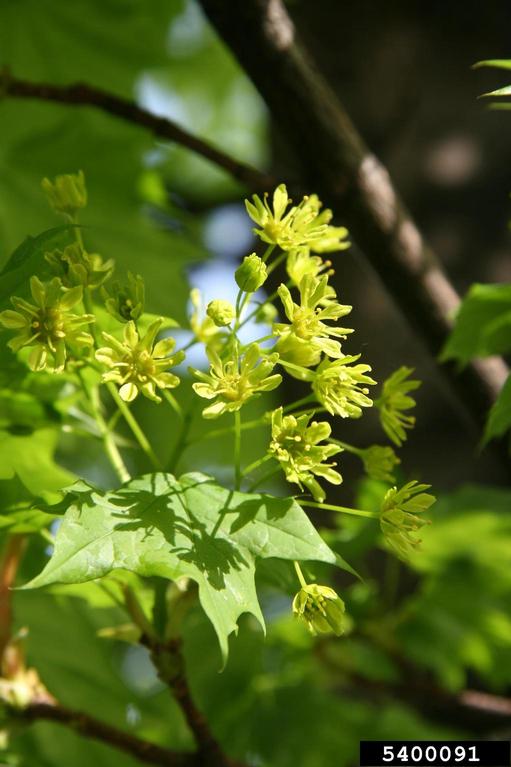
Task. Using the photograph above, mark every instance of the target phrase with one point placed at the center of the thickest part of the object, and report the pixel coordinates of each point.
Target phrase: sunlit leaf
(157, 525)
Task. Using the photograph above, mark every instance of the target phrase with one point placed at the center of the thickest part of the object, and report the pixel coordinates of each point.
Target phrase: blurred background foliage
(420, 634)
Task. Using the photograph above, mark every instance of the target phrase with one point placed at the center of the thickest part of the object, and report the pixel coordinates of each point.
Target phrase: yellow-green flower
(47, 324)
(392, 403)
(140, 364)
(67, 194)
(231, 384)
(379, 462)
(126, 302)
(321, 609)
(341, 386)
(295, 445)
(266, 314)
(398, 516)
(292, 227)
(307, 334)
(202, 326)
(221, 312)
(76, 267)
(300, 262)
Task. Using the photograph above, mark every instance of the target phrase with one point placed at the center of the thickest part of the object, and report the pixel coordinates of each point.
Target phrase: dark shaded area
(403, 72)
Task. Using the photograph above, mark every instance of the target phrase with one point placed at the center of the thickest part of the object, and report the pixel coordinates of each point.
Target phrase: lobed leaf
(193, 527)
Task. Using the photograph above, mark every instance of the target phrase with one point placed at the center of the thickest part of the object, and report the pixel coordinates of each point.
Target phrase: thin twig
(81, 94)
(88, 726)
(169, 662)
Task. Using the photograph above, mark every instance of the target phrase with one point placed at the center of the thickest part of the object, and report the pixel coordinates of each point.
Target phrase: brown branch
(86, 725)
(81, 94)
(8, 568)
(472, 710)
(334, 161)
(170, 665)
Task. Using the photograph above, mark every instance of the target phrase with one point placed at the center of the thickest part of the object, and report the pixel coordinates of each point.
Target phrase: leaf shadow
(189, 539)
(272, 508)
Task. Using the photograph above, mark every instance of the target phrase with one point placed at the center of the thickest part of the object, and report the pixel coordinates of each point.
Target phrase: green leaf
(30, 457)
(156, 525)
(506, 91)
(28, 260)
(499, 417)
(483, 324)
(496, 63)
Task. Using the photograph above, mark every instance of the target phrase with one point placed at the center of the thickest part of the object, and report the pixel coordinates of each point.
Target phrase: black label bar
(435, 753)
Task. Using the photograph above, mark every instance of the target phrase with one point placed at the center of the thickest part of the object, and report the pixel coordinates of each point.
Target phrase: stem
(134, 426)
(226, 430)
(346, 446)
(255, 464)
(108, 440)
(122, 406)
(189, 345)
(260, 340)
(267, 253)
(174, 404)
(170, 664)
(237, 450)
(341, 509)
(277, 262)
(303, 582)
(181, 443)
(89, 727)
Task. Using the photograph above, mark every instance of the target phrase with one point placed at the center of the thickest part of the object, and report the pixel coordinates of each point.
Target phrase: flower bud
(379, 462)
(221, 312)
(66, 194)
(251, 274)
(321, 609)
(126, 302)
(266, 314)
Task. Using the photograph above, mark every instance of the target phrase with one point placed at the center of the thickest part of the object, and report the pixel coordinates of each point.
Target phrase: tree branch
(170, 664)
(334, 161)
(86, 725)
(472, 710)
(81, 94)
(8, 568)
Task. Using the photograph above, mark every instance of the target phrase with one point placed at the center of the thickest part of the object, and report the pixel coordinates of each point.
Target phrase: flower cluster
(341, 387)
(398, 516)
(307, 335)
(296, 445)
(231, 384)
(140, 364)
(321, 609)
(394, 401)
(293, 226)
(47, 326)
